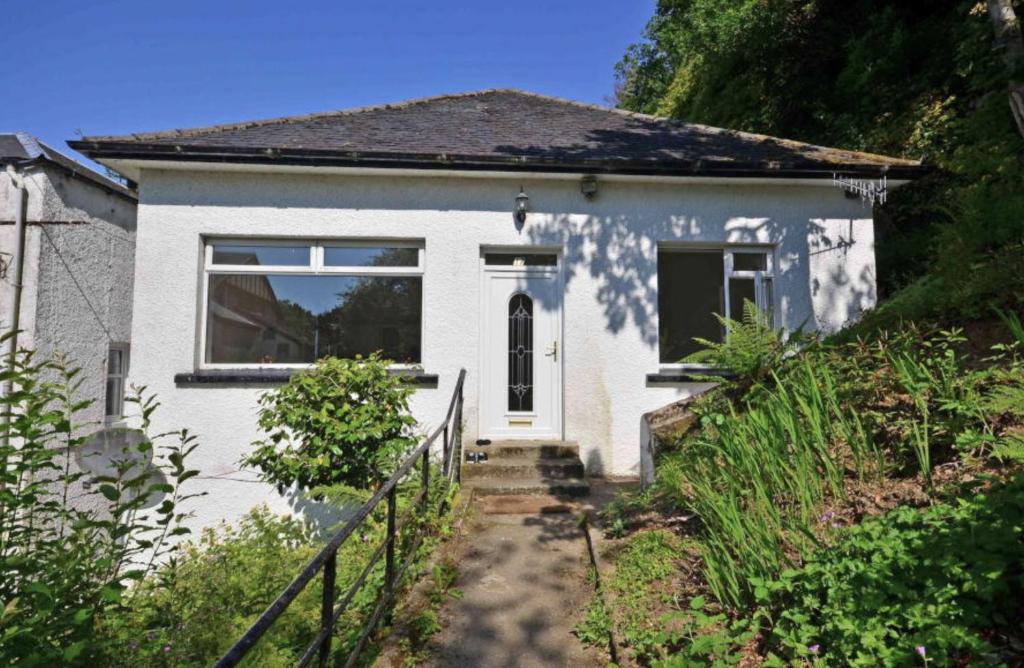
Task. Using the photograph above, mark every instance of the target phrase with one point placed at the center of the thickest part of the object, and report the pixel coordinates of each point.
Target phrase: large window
(694, 284)
(293, 302)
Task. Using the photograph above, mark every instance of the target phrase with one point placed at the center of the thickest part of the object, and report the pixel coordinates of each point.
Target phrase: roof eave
(99, 150)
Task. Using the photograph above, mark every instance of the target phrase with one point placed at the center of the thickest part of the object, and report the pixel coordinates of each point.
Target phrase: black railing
(327, 560)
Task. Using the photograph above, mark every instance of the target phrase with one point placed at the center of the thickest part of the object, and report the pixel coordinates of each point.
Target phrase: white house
(264, 245)
(67, 261)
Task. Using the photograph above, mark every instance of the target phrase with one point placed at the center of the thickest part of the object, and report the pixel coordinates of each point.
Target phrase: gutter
(99, 150)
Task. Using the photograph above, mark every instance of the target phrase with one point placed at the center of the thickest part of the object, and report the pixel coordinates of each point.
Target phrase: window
(117, 369)
(291, 303)
(520, 353)
(694, 284)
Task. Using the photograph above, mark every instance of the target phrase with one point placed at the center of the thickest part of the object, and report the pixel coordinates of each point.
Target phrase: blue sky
(116, 67)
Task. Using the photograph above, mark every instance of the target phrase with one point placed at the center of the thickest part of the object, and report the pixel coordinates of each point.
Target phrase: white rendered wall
(826, 277)
(79, 271)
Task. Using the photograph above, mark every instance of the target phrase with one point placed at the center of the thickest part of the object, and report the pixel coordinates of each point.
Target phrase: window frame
(316, 267)
(125, 349)
(727, 251)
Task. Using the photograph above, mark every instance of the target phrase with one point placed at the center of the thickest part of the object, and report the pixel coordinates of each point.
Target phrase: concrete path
(524, 585)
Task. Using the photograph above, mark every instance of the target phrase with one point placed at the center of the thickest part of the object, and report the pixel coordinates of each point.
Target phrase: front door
(521, 392)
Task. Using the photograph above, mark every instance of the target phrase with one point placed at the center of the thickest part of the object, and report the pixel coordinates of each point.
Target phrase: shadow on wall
(619, 253)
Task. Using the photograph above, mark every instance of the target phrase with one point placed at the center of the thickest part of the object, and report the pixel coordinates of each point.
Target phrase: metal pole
(445, 451)
(389, 554)
(425, 501)
(327, 606)
(18, 264)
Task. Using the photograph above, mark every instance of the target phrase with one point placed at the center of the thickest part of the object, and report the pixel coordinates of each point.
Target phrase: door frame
(558, 416)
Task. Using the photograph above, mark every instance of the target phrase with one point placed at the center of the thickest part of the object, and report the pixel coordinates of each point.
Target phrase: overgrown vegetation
(92, 567)
(72, 542)
(858, 502)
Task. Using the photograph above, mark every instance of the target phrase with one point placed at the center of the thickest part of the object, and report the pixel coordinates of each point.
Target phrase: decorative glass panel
(521, 259)
(371, 256)
(278, 256)
(520, 353)
(769, 300)
(749, 261)
(266, 319)
(690, 291)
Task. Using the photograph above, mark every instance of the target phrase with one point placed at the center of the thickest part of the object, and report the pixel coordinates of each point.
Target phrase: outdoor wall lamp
(522, 206)
(588, 186)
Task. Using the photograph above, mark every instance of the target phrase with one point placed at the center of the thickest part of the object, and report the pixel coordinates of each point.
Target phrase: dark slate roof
(19, 147)
(498, 130)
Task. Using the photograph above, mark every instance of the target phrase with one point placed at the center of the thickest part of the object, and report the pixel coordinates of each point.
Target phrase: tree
(1008, 39)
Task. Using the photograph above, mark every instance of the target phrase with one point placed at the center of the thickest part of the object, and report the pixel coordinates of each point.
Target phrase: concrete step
(559, 487)
(513, 449)
(524, 467)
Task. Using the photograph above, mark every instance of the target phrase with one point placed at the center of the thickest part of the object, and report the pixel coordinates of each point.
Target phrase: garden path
(524, 585)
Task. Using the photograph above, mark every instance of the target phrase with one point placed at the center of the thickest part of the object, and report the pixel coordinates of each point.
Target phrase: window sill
(237, 377)
(686, 375)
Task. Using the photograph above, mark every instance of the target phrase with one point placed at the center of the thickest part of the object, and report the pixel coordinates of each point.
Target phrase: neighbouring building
(565, 254)
(72, 231)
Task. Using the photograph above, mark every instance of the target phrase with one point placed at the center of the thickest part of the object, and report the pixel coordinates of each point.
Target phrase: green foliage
(752, 347)
(195, 607)
(637, 589)
(343, 422)
(946, 578)
(71, 543)
(862, 75)
(703, 638)
(200, 604)
(759, 474)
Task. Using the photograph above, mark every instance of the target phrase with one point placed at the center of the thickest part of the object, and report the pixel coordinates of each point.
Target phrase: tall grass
(761, 471)
(759, 482)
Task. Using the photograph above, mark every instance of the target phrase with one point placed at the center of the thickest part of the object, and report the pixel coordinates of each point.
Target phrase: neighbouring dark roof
(19, 147)
(498, 130)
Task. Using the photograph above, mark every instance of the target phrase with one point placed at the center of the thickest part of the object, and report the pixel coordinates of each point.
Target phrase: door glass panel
(520, 353)
(521, 259)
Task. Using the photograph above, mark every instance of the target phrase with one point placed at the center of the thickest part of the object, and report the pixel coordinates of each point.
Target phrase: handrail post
(445, 447)
(389, 554)
(458, 434)
(327, 606)
(425, 501)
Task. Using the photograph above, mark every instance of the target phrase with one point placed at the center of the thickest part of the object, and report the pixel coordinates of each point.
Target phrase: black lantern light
(522, 206)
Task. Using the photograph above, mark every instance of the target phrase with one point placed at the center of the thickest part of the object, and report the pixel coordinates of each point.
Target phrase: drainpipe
(18, 265)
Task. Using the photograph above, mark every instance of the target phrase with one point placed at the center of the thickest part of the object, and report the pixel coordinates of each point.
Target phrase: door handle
(553, 351)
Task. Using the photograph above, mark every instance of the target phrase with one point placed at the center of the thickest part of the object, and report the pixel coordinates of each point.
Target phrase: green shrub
(343, 422)
(752, 347)
(949, 578)
(67, 551)
(198, 605)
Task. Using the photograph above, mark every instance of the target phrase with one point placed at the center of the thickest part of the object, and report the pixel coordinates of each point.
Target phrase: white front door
(521, 379)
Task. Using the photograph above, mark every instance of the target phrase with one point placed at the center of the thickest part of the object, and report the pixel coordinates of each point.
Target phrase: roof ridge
(30, 144)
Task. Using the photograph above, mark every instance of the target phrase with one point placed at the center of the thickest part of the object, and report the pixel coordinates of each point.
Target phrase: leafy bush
(752, 347)
(198, 605)
(67, 552)
(949, 578)
(343, 422)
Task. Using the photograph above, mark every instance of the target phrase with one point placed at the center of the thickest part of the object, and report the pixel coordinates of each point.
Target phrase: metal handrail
(326, 559)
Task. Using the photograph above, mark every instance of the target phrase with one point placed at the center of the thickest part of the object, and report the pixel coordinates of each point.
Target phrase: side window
(695, 284)
(117, 370)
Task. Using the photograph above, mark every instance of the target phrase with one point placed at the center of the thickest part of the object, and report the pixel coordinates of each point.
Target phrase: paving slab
(524, 585)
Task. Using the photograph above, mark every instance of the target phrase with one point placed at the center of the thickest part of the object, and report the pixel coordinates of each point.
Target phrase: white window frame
(316, 267)
(728, 272)
(125, 351)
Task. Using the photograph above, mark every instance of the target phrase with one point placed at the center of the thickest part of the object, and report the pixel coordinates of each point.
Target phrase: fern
(752, 347)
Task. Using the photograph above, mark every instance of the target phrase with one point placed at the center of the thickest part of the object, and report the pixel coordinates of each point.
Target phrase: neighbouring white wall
(825, 250)
(79, 272)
